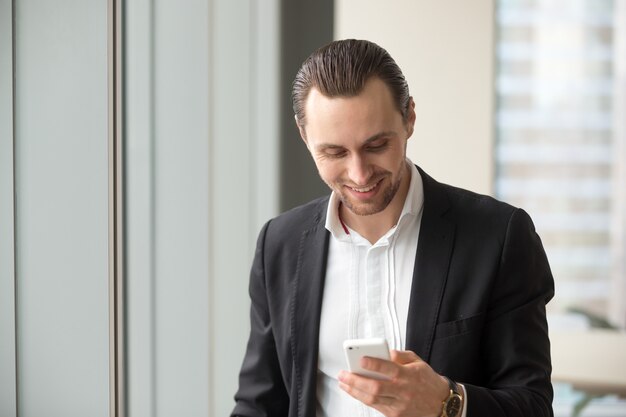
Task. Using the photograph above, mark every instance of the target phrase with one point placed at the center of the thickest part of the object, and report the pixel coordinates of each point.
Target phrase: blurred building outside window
(560, 154)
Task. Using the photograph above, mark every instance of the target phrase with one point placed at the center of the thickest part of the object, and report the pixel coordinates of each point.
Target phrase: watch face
(453, 406)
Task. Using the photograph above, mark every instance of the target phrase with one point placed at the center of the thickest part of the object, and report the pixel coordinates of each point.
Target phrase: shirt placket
(375, 277)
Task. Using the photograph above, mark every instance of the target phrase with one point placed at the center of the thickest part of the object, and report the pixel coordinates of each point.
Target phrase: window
(560, 150)
(556, 145)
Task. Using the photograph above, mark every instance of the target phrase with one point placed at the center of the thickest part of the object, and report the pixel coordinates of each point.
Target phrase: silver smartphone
(355, 349)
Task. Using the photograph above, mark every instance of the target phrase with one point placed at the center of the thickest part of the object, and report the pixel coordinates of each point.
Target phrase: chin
(375, 206)
(363, 209)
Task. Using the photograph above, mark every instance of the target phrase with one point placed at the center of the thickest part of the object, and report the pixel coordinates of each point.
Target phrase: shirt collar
(412, 205)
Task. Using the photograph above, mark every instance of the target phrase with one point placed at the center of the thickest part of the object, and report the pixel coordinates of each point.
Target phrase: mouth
(365, 190)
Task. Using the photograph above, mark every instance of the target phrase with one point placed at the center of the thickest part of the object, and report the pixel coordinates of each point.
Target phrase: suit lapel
(306, 307)
(434, 249)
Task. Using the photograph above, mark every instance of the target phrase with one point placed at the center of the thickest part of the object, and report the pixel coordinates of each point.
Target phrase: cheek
(397, 159)
(329, 171)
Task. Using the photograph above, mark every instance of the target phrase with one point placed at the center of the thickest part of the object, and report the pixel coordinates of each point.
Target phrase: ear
(301, 130)
(410, 117)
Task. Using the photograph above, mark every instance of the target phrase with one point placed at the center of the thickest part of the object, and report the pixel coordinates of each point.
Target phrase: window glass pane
(554, 146)
(558, 156)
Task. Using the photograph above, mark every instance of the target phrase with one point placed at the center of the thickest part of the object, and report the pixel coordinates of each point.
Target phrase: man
(456, 282)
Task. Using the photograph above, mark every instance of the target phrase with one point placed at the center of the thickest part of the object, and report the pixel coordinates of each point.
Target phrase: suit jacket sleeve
(261, 388)
(516, 348)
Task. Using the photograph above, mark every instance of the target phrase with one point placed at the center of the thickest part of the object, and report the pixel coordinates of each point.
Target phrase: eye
(377, 146)
(334, 152)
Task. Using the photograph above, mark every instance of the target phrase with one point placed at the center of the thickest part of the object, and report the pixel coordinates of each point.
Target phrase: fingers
(392, 369)
(365, 384)
(403, 357)
(413, 387)
(381, 366)
(367, 397)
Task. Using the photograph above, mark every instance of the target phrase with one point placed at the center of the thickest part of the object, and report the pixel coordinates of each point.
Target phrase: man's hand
(414, 389)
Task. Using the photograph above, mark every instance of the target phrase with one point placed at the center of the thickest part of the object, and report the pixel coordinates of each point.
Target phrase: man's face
(359, 145)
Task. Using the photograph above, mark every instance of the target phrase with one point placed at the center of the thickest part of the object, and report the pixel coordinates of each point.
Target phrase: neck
(374, 226)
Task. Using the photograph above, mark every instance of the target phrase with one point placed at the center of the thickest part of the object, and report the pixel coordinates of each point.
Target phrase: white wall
(445, 49)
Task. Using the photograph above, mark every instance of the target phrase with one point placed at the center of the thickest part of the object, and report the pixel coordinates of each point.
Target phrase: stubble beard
(375, 206)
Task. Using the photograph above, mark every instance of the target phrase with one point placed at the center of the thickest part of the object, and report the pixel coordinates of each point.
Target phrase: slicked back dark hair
(341, 69)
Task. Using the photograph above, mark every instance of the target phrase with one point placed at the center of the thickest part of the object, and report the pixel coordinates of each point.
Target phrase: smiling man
(456, 282)
(359, 146)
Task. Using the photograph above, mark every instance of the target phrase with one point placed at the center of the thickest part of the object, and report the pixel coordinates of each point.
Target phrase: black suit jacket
(476, 311)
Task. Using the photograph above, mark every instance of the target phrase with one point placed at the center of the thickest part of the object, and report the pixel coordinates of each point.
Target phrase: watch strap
(454, 387)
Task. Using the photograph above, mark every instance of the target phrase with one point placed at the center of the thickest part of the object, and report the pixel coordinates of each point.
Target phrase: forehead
(335, 119)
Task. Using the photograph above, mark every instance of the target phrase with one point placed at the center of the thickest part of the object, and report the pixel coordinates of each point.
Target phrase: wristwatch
(453, 405)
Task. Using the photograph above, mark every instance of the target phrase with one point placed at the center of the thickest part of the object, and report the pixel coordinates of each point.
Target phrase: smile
(365, 189)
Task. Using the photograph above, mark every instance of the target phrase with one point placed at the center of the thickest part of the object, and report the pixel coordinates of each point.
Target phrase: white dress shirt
(366, 294)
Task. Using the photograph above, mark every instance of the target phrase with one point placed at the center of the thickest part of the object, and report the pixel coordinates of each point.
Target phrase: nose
(359, 170)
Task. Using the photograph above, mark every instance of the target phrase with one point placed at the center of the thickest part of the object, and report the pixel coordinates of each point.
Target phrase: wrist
(452, 405)
(444, 388)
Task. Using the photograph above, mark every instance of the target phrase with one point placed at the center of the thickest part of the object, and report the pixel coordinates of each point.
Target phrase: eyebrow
(367, 141)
